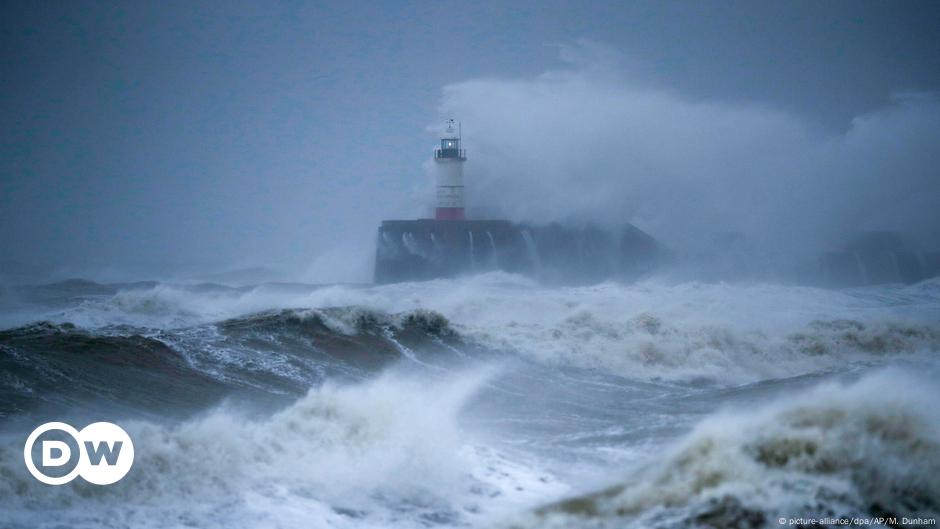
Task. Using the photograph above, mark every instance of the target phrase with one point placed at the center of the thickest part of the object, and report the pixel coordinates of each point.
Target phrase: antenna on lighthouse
(450, 158)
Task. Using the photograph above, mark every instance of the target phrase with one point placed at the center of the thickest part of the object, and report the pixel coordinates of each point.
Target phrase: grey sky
(149, 136)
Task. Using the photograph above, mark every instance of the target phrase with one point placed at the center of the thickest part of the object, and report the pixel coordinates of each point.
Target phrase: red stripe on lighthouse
(449, 214)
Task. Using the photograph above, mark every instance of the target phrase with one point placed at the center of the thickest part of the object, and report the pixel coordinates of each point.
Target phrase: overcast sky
(139, 137)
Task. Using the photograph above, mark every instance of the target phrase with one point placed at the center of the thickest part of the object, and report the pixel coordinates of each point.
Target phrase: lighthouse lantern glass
(450, 148)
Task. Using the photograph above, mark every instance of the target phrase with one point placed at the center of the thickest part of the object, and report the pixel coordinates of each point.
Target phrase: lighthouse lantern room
(449, 159)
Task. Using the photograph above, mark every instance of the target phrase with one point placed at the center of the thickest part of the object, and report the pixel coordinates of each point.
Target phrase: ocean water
(487, 401)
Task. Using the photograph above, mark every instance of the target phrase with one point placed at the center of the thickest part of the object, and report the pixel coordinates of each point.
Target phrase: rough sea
(487, 401)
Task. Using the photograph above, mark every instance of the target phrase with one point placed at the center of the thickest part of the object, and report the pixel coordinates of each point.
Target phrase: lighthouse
(449, 159)
(450, 245)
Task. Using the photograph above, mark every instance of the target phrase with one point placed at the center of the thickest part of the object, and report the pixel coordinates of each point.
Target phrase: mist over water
(592, 142)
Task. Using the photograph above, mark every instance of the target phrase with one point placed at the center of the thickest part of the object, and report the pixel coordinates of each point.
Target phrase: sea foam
(868, 449)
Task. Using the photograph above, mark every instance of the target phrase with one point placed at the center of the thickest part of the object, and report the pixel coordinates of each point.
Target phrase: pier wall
(415, 250)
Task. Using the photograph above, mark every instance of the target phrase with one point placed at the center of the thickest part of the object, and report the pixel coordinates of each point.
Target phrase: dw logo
(101, 453)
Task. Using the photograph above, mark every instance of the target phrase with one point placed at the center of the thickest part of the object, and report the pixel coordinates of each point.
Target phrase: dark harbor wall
(873, 258)
(860, 259)
(415, 250)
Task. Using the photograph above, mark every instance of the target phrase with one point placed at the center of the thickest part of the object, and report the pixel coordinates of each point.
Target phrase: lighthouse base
(416, 250)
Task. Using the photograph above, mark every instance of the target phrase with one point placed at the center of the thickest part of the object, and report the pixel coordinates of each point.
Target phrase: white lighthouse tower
(449, 159)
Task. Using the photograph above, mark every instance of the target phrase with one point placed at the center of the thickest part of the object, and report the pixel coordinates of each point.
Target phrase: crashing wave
(388, 452)
(870, 449)
(649, 347)
(280, 352)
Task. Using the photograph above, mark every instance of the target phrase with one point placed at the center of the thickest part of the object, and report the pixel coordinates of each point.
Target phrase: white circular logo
(101, 453)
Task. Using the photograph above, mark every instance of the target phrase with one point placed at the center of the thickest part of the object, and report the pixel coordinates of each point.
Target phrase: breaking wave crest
(870, 449)
(282, 352)
(650, 347)
(385, 452)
